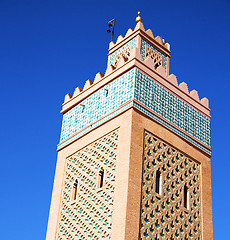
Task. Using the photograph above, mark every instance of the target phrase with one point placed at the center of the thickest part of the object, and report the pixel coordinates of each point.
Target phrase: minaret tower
(134, 154)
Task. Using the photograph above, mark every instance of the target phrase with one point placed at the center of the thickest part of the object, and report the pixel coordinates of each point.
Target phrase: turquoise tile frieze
(170, 107)
(145, 111)
(98, 107)
(98, 104)
(131, 43)
(174, 129)
(97, 123)
(143, 43)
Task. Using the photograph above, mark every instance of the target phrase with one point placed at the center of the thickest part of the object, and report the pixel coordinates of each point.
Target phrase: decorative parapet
(139, 50)
(150, 97)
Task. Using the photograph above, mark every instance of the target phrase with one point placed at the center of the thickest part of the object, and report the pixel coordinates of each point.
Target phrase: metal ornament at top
(138, 18)
(111, 24)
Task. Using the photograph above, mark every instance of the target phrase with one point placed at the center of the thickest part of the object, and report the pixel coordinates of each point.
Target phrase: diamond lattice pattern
(90, 215)
(164, 216)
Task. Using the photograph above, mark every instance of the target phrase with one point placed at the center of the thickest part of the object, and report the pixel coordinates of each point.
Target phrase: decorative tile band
(143, 110)
(97, 123)
(143, 53)
(160, 100)
(131, 43)
(102, 105)
(166, 124)
(98, 104)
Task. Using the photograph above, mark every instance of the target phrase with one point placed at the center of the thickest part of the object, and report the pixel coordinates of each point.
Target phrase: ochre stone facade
(134, 155)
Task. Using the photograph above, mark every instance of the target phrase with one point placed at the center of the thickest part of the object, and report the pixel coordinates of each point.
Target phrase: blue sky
(48, 48)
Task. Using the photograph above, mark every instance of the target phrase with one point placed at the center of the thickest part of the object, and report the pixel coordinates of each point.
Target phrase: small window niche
(158, 187)
(74, 190)
(101, 178)
(186, 198)
(83, 107)
(106, 92)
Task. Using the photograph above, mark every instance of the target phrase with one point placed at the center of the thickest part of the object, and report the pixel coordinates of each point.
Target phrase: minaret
(134, 154)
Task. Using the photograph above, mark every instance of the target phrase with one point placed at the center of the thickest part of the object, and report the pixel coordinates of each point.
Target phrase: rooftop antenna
(111, 24)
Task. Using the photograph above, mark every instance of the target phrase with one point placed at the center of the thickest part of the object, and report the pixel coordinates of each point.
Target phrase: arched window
(101, 178)
(158, 187)
(74, 191)
(186, 197)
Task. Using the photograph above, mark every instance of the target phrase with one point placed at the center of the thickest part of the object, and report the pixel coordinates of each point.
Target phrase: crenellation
(68, 96)
(77, 91)
(167, 45)
(98, 77)
(194, 94)
(184, 87)
(111, 44)
(119, 39)
(204, 101)
(129, 32)
(150, 33)
(88, 83)
(139, 26)
(159, 40)
(173, 79)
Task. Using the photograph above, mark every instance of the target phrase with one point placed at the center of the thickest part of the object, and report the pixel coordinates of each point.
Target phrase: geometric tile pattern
(145, 50)
(163, 216)
(171, 127)
(145, 111)
(98, 104)
(134, 84)
(97, 123)
(131, 44)
(172, 108)
(90, 215)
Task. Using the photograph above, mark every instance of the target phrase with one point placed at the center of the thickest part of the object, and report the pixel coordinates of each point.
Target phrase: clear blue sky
(47, 48)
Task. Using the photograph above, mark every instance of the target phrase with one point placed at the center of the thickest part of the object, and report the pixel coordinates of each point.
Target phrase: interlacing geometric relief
(86, 207)
(157, 58)
(129, 45)
(169, 214)
(125, 53)
(143, 53)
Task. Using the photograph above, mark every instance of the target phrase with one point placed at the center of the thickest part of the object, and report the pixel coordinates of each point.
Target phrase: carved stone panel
(87, 206)
(166, 215)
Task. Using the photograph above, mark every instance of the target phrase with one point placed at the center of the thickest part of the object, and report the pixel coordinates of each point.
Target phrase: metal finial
(138, 19)
(111, 24)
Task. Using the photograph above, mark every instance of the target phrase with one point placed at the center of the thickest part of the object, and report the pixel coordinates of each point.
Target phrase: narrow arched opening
(186, 197)
(74, 191)
(158, 187)
(101, 178)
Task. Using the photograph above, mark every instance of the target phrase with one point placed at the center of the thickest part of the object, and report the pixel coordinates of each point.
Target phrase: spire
(138, 19)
